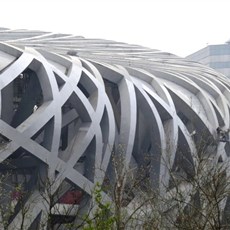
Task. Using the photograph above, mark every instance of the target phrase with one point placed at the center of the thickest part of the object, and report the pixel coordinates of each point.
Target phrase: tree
(102, 216)
(60, 200)
(13, 203)
(194, 200)
(196, 197)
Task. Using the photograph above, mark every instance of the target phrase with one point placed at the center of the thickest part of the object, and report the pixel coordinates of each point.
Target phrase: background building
(214, 56)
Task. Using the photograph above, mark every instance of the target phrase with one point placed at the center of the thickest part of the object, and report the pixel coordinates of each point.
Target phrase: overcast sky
(177, 26)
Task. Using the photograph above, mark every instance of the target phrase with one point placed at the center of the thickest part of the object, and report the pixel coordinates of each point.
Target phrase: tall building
(214, 56)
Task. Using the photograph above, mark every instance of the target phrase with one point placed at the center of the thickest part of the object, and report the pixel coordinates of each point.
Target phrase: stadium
(68, 104)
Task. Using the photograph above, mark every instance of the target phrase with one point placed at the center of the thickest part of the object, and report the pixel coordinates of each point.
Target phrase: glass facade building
(214, 56)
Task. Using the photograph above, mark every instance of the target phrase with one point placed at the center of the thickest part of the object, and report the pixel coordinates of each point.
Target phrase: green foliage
(102, 218)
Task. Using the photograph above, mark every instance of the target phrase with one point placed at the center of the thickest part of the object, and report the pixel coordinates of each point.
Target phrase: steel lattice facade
(66, 101)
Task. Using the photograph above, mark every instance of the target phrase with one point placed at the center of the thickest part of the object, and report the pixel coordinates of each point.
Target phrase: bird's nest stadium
(68, 102)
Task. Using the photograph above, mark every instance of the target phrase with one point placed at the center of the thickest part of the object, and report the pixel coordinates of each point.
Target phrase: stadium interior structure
(67, 101)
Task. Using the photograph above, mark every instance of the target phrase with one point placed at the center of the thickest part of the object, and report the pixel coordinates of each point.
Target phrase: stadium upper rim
(106, 51)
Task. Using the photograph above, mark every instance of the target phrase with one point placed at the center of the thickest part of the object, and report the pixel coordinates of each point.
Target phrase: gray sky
(177, 26)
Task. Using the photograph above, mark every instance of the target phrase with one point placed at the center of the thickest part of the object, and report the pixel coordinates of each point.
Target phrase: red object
(71, 197)
(16, 195)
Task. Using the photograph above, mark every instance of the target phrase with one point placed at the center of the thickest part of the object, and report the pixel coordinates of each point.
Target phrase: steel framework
(66, 101)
